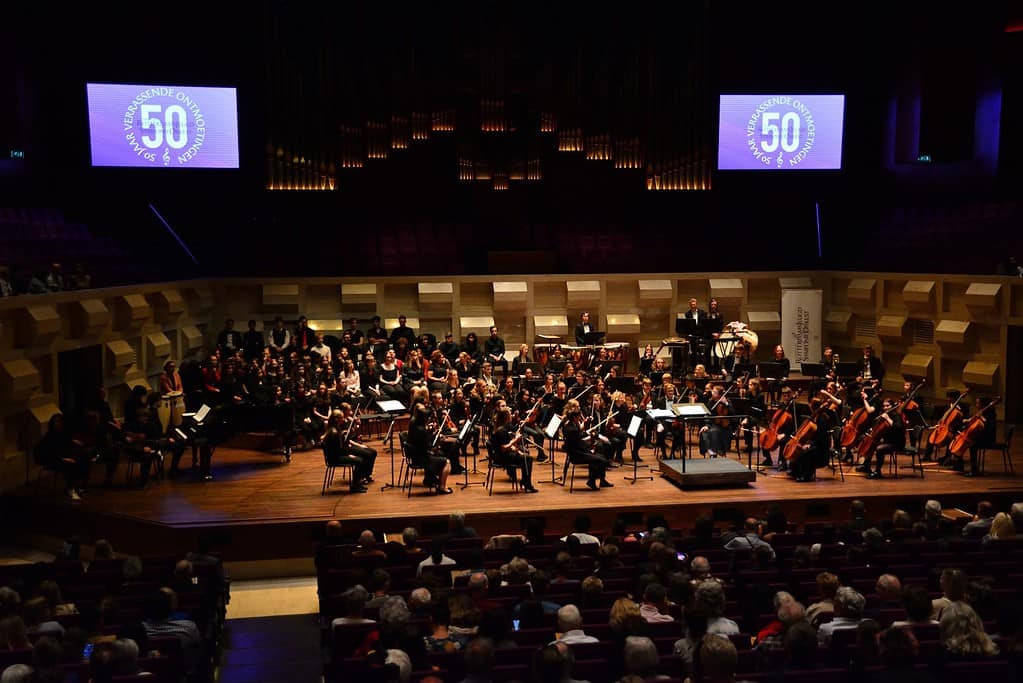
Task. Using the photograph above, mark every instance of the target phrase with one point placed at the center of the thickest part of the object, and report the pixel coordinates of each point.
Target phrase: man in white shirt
(581, 530)
(570, 626)
(848, 615)
(320, 349)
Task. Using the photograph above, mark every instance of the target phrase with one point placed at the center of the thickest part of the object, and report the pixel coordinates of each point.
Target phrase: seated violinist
(506, 449)
(419, 451)
(716, 435)
(582, 449)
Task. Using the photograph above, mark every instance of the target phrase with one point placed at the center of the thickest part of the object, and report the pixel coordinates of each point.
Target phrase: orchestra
(315, 387)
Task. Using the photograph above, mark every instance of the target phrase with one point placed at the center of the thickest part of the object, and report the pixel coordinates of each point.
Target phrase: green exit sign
(17, 154)
(924, 159)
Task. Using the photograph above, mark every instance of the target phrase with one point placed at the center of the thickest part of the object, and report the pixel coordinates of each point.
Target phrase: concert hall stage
(259, 508)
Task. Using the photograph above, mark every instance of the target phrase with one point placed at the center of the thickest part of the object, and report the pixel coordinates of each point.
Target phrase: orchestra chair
(156, 464)
(407, 467)
(328, 472)
(1005, 447)
(914, 453)
(494, 463)
(570, 476)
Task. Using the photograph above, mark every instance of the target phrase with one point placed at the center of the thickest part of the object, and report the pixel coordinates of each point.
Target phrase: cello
(950, 421)
(854, 425)
(964, 440)
(881, 426)
(781, 419)
(806, 432)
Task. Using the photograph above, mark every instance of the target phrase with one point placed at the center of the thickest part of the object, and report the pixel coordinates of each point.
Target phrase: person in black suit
(870, 368)
(403, 331)
(699, 348)
(493, 347)
(229, 341)
(583, 328)
(695, 313)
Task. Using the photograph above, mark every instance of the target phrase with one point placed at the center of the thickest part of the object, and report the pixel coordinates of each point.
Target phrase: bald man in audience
(570, 626)
(367, 546)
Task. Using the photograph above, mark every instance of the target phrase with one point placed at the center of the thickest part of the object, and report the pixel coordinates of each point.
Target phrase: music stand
(551, 431)
(390, 409)
(535, 367)
(847, 370)
(743, 368)
(593, 338)
(813, 370)
(770, 370)
(635, 424)
(463, 434)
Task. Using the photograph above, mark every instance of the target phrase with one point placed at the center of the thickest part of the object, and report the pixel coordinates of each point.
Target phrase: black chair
(133, 459)
(408, 469)
(328, 473)
(1004, 447)
(494, 463)
(914, 453)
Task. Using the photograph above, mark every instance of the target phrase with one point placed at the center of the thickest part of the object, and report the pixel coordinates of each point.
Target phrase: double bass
(780, 421)
(964, 439)
(948, 424)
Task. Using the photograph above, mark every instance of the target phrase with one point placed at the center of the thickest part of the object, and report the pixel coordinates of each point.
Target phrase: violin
(964, 439)
(948, 424)
(723, 407)
(780, 421)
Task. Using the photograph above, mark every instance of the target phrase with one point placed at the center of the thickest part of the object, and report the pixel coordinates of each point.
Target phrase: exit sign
(924, 159)
(17, 154)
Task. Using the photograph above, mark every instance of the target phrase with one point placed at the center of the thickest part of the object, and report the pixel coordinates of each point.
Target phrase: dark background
(307, 72)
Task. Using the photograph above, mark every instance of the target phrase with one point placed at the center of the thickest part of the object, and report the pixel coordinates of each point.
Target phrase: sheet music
(634, 426)
(691, 410)
(660, 414)
(552, 427)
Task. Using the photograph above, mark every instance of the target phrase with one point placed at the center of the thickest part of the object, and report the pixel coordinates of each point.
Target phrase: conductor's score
(780, 132)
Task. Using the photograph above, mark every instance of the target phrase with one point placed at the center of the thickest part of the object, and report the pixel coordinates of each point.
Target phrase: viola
(780, 421)
(948, 424)
(964, 439)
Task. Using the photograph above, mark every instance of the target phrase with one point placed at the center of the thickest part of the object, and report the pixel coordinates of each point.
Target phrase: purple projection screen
(780, 132)
(163, 126)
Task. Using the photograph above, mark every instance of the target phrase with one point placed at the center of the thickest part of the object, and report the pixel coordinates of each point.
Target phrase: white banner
(801, 325)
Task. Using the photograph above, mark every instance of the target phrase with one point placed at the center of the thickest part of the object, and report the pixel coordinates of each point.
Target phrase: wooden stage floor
(261, 508)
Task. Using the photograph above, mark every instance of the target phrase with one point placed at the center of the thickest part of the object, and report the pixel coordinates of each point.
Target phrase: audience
(848, 614)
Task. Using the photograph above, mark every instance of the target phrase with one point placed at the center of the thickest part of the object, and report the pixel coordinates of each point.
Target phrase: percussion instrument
(177, 407)
(724, 346)
(163, 412)
(744, 333)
